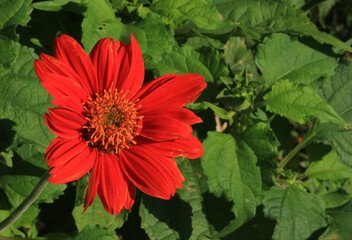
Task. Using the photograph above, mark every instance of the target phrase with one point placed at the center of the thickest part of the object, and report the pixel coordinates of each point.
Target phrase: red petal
(155, 175)
(72, 54)
(167, 128)
(62, 150)
(93, 182)
(113, 189)
(177, 91)
(64, 122)
(189, 147)
(52, 65)
(105, 60)
(135, 77)
(181, 114)
(74, 167)
(68, 102)
(59, 85)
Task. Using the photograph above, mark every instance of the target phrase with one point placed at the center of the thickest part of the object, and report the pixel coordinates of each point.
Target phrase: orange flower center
(112, 121)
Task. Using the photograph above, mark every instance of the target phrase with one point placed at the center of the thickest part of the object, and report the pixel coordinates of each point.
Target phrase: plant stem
(26, 203)
(311, 133)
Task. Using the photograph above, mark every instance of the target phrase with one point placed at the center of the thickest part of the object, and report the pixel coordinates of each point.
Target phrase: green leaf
(300, 103)
(93, 232)
(192, 194)
(336, 91)
(181, 217)
(103, 23)
(14, 12)
(231, 170)
(9, 51)
(180, 61)
(329, 168)
(339, 138)
(96, 213)
(263, 142)
(283, 57)
(298, 213)
(260, 17)
(18, 187)
(156, 45)
(24, 100)
(55, 5)
(340, 220)
(156, 229)
(180, 12)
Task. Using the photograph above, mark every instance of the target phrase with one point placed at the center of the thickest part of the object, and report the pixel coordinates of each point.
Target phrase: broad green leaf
(96, 213)
(298, 213)
(179, 12)
(156, 45)
(261, 17)
(340, 220)
(337, 91)
(283, 57)
(24, 100)
(18, 187)
(231, 170)
(103, 23)
(30, 154)
(94, 232)
(9, 51)
(192, 194)
(300, 103)
(156, 229)
(263, 142)
(329, 168)
(14, 12)
(55, 5)
(180, 61)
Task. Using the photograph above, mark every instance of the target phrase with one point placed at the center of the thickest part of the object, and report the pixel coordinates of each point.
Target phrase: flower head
(108, 123)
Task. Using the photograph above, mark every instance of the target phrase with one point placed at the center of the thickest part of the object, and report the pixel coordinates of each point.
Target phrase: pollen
(112, 121)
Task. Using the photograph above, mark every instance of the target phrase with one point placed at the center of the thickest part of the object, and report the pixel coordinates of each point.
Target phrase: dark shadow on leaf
(7, 134)
(175, 212)
(217, 210)
(258, 228)
(4, 201)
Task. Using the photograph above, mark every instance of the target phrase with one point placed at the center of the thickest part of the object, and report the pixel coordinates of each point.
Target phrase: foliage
(276, 129)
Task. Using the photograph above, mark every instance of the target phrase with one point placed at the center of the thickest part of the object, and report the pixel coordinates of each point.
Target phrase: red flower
(106, 121)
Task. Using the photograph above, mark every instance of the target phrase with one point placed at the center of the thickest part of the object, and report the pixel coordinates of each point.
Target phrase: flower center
(112, 121)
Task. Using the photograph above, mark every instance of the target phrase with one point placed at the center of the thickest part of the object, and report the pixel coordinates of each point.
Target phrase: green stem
(311, 133)
(26, 203)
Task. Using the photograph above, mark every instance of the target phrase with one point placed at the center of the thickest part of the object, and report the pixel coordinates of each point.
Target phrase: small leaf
(300, 103)
(298, 213)
(283, 57)
(328, 168)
